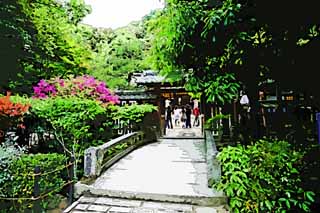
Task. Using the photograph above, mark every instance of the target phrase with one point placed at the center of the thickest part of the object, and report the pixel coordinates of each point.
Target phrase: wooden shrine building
(154, 89)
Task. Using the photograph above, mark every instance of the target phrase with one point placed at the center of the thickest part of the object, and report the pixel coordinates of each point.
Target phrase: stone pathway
(112, 205)
(167, 176)
(183, 133)
(179, 132)
(171, 167)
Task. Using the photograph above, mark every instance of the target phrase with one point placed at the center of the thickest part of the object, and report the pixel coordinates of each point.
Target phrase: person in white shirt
(244, 101)
(176, 115)
(244, 98)
(245, 108)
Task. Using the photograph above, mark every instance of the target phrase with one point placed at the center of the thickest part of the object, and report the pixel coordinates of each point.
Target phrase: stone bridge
(170, 174)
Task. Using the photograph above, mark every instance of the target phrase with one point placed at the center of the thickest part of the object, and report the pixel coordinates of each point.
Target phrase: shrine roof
(135, 95)
(147, 77)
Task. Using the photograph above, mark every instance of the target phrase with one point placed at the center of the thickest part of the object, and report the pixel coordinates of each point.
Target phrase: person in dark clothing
(183, 117)
(169, 118)
(188, 114)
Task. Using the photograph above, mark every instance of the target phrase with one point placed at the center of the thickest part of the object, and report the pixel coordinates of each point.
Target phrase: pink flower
(81, 86)
(61, 82)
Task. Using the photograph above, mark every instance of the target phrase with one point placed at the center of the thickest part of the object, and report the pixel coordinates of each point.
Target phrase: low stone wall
(213, 165)
(97, 159)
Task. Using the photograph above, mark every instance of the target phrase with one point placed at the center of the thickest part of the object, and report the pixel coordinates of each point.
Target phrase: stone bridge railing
(97, 159)
(213, 165)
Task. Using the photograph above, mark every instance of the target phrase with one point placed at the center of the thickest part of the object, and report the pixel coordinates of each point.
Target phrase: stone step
(217, 199)
(111, 205)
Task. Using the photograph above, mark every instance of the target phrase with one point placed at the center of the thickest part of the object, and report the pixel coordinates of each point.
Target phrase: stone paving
(171, 166)
(115, 205)
(178, 132)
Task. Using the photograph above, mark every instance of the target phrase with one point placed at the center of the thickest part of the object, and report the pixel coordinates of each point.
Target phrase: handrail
(116, 140)
(95, 157)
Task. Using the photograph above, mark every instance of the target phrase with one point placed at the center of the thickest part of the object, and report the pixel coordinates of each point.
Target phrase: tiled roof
(137, 97)
(134, 95)
(147, 76)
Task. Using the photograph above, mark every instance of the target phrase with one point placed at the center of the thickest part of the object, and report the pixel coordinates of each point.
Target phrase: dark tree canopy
(39, 40)
(252, 40)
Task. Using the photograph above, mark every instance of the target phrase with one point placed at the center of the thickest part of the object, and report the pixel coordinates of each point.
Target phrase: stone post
(90, 162)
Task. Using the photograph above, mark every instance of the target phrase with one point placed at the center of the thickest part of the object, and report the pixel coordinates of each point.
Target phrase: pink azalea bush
(82, 86)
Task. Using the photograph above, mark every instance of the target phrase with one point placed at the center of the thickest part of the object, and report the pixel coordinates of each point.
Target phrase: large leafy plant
(213, 122)
(222, 89)
(264, 177)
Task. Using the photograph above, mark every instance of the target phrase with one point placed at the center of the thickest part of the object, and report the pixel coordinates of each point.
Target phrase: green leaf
(310, 195)
(225, 22)
(293, 201)
(229, 192)
(305, 207)
(288, 194)
(288, 204)
(268, 204)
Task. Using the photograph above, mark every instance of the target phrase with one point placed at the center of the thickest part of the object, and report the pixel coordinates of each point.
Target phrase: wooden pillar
(226, 109)
(235, 111)
(159, 103)
(205, 108)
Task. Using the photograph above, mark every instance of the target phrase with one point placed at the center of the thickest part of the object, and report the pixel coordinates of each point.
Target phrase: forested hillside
(45, 39)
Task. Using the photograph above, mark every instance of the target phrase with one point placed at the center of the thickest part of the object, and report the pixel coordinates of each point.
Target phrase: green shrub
(77, 123)
(132, 113)
(8, 153)
(22, 179)
(212, 123)
(263, 177)
(79, 120)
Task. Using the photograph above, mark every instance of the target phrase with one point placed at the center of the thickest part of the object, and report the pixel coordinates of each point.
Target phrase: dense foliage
(21, 184)
(132, 113)
(202, 40)
(211, 45)
(264, 177)
(45, 39)
(181, 51)
(41, 39)
(8, 153)
(119, 52)
(71, 118)
(213, 123)
(43, 46)
(73, 123)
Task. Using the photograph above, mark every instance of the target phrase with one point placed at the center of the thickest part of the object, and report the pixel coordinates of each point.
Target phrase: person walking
(183, 117)
(188, 116)
(245, 117)
(176, 115)
(169, 118)
(196, 113)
